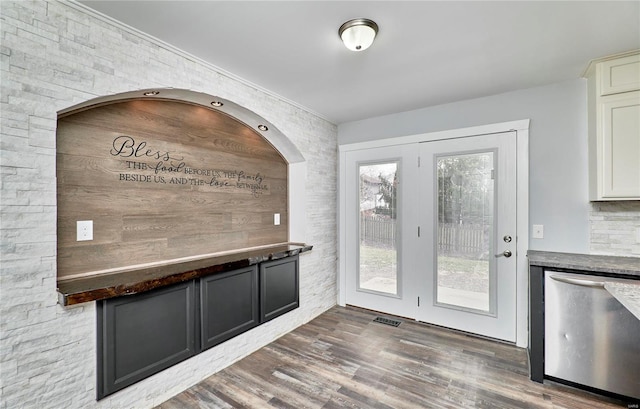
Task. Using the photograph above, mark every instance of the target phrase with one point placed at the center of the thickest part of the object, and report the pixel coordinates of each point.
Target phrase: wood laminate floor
(343, 359)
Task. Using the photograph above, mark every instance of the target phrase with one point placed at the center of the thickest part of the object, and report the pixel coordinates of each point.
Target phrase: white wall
(558, 195)
(55, 56)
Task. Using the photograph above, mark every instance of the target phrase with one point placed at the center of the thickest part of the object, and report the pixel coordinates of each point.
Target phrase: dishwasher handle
(580, 282)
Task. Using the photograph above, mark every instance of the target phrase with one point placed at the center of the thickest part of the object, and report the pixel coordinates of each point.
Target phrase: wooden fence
(378, 231)
(453, 239)
(462, 239)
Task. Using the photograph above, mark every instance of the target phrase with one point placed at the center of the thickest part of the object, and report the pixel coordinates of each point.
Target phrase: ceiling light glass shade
(358, 34)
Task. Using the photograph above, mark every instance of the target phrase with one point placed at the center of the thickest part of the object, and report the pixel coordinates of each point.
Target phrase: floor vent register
(387, 321)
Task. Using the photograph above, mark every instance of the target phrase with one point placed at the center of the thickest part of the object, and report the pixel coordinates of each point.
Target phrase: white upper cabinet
(614, 128)
(620, 75)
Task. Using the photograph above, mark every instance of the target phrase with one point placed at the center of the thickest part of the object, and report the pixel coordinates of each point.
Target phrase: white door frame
(521, 128)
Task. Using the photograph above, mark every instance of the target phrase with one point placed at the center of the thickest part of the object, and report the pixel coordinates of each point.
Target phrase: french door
(379, 215)
(467, 263)
(430, 232)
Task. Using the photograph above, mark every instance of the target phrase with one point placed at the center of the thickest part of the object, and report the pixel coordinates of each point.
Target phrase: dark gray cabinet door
(140, 335)
(229, 305)
(279, 289)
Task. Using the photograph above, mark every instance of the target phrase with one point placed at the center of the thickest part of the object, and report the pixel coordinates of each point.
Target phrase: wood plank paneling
(163, 180)
(342, 359)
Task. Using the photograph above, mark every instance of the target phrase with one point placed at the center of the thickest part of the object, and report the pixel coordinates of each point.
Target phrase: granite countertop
(627, 293)
(133, 281)
(588, 263)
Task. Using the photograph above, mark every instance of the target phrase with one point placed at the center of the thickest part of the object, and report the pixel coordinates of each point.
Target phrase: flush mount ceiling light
(358, 34)
(263, 128)
(151, 93)
(217, 104)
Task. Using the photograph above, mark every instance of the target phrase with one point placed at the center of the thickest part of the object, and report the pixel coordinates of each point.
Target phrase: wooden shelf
(100, 287)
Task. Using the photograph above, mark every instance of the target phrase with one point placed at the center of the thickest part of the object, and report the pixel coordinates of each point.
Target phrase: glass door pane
(378, 228)
(465, 217)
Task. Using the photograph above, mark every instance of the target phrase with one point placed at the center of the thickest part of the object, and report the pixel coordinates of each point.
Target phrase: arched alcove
(252, 120)
(166, 175)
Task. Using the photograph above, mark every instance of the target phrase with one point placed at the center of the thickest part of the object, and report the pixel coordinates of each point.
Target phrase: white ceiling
(426, 53)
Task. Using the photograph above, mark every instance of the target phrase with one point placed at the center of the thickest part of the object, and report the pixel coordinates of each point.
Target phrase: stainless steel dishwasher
(590, 337)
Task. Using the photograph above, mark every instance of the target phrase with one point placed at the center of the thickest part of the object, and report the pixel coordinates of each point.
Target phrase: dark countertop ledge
(133, 281)
(590, 263)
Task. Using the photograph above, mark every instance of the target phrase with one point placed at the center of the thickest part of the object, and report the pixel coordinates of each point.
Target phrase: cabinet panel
(620, 75)
(140, 335)
(279, 289)
(621, 145)
(229, 305)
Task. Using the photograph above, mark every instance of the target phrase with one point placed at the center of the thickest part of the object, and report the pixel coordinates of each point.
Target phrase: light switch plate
(538, 231)
(276, 219)
(84, 230)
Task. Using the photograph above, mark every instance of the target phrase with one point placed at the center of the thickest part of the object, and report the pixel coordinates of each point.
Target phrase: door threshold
(466, 333)
(471, 334)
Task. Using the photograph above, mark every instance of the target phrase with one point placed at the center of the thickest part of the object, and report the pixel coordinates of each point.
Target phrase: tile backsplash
(615, 228)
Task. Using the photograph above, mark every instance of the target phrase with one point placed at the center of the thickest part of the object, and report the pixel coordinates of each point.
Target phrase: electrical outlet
(538, 231)
(276, 219)
(84, 230)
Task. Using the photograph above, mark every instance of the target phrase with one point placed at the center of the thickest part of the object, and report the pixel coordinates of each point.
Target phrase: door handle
(506, 253)
(580, 282)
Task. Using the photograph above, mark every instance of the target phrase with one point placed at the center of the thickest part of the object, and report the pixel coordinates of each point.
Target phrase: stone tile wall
(615, 228)
(53, 56)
